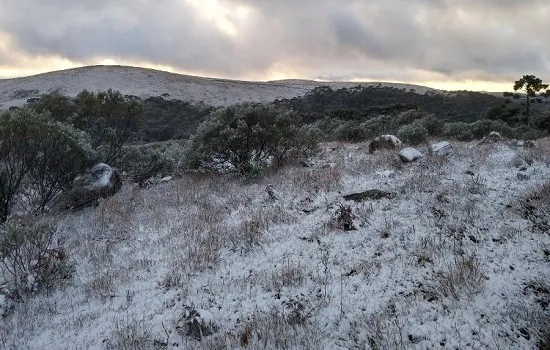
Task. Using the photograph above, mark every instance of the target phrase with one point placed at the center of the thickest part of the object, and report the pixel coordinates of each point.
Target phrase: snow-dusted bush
(247, 138)
(141, 162)
(29, 260)
(40, 158)
(413, 133)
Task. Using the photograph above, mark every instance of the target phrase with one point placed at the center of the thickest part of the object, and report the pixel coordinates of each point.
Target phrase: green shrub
(433, 125)
(246, 138)
(110, 118)
(459, 130)
(413, 133)
(40, 158)
(142, 162)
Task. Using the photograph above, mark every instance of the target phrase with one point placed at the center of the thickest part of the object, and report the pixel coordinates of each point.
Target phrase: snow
(145, 83)
(225, 248)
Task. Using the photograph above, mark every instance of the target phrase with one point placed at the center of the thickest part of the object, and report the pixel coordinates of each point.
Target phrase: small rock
(196, 323)
(494, 136)
(373, 194)
(306, 164)
(409, 154)
(165, 179)
(443, 148)
(271, 192)
(523, 176)
(384, 142)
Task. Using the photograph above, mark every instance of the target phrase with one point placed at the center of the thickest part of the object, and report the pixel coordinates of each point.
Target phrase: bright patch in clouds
(226, 17)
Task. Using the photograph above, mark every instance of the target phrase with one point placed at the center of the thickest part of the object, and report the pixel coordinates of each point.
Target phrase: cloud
(410, 40)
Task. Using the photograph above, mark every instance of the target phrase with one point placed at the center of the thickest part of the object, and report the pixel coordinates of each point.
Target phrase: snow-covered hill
(451, 260)
(147, 82)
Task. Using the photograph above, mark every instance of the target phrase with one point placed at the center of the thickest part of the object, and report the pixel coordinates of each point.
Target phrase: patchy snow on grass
(444, 263)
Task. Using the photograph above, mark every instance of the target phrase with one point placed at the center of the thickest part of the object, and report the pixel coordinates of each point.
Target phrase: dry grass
(274, 329)
(130, 334)
(316, 180)
(463, 277)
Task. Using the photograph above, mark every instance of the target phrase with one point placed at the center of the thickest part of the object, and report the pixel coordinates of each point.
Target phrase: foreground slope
(144, 83)
(444, 264)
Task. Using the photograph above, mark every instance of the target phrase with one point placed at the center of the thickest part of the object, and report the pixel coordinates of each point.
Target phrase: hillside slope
(450, 261)
(148, 82)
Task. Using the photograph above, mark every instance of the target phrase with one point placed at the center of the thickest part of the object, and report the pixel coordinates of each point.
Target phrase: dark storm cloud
(460, 39)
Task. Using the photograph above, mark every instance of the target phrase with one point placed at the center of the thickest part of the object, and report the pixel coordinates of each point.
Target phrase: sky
(447, 44)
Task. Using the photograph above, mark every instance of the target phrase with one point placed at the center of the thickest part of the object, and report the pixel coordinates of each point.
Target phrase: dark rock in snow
(373, 194)
(100, 181)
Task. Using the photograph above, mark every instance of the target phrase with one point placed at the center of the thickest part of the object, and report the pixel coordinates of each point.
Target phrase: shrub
(39, 158)
(458, 130)
(433, 125)
(413, 133)
(28, 258)
(142, 162)
(246, 138)
(111, 120)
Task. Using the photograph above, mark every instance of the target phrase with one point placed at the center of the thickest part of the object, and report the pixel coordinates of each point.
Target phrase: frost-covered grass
(451, 261)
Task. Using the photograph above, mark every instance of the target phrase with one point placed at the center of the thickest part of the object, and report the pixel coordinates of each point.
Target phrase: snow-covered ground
(147, 82)
(441, 264)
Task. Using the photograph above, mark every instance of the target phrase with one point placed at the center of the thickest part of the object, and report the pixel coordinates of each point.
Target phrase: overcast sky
(444, 43)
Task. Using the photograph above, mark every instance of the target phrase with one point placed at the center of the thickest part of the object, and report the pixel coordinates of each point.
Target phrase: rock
(196, 323)
(306, 164)
(515, 144)
(409, 154)
(443, 148)
(271, 192)
(373, 194)
(494, 136)
(100, 181)
(523, 176)
(520, 162)
(384, 142)
(165, 179)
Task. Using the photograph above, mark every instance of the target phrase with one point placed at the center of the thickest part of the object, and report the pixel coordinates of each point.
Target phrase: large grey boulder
(409, 155)
(443, 148)
(385, 142)
(100, 181)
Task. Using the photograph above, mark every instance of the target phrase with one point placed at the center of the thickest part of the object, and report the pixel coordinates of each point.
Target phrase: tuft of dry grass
(535, 207)
(462, 277)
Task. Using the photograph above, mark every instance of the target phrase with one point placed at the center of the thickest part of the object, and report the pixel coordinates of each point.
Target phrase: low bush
(29, 259)
(248, 137)
(413, 133)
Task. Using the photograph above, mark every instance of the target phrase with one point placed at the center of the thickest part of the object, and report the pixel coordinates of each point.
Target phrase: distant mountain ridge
(144, 83)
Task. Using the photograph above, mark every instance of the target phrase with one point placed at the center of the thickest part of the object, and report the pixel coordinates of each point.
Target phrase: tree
(247, 137)
(110, 118)
(531, 86)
